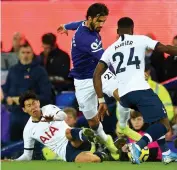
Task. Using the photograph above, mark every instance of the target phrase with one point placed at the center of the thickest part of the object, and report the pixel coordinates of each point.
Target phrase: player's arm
(26, 156)
(63, 28)
(172, 50)
(72, 25)
(100, 69)
(157, 46)
(52, 113)
(103, 64)
(28, 146)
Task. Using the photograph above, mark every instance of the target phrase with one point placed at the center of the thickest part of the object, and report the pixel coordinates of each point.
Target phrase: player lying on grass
(47, 126)
(127, 55)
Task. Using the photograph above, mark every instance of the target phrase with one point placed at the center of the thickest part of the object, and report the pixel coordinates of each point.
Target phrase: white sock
(124, 115)
(167, 152)
(100, 132)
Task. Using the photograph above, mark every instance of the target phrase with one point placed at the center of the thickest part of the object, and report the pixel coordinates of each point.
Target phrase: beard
(92, 26)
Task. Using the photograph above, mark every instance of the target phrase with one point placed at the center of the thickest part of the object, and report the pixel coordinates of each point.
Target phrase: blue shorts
(147, 103)
(72, 152)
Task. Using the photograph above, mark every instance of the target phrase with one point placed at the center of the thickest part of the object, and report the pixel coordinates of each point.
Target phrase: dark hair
(27, 95)
(125, 22)
(49, 39)
(175, 37)
(97, 9)
(26, 44)
(134, 114)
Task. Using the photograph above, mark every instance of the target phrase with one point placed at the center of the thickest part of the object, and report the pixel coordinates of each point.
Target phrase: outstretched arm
(27, 156)
(63, 28)
(157, 46)
(28, 145)
(172, 50)
(72, 25)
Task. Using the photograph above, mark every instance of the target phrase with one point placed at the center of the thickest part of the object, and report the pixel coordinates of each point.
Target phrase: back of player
(127, 57)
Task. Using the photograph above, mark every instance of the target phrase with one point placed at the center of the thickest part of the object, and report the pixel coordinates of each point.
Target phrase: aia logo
(48, 135)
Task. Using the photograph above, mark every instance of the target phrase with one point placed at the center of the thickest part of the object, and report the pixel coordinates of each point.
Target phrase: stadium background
(34, 18)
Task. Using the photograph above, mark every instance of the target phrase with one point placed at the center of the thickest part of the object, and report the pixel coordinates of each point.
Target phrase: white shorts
(86, 96)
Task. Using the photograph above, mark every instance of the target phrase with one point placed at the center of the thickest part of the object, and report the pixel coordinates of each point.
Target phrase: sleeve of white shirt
(106, 57)
(28, 145)
(149, 43)
(52, 110)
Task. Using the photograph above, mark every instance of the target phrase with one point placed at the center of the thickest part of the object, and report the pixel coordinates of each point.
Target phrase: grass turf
(56, 165)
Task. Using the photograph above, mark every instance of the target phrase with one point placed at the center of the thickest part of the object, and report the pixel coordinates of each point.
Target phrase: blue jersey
(86, 51)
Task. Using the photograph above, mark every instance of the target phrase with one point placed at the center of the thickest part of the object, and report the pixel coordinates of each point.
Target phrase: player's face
(32, 107)
(137, 122)
(97, 23)
(70, 120)
(25, 55)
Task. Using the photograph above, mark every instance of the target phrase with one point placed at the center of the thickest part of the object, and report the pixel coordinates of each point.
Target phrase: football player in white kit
(47, 126)
(127, 56)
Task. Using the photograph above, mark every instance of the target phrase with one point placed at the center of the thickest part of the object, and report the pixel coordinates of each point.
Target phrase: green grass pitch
(56, 165)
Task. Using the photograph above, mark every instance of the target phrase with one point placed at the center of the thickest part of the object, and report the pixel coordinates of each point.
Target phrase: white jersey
(127, 56)
(51, 134)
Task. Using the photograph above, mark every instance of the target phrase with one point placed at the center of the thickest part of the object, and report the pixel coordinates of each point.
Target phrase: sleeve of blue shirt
(73, 25)
(87, 43)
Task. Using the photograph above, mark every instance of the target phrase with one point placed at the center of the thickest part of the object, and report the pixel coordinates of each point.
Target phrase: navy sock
(143, 142)
(153, 133)
(103, 156)
(163, 145)
(77, 134)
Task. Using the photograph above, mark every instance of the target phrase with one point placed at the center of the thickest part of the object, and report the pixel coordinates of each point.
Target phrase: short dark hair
(49, 39)
(175, 37)
(97, 9)
(125, 22)
(134, 114)
(26, 44)
(27, 95)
